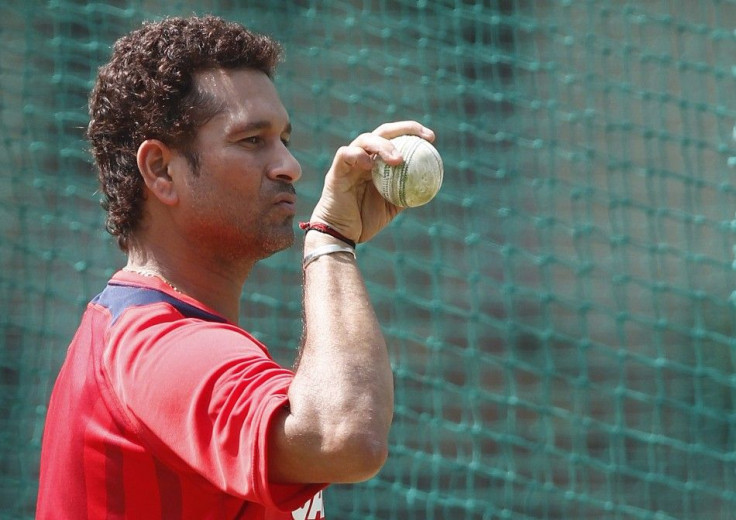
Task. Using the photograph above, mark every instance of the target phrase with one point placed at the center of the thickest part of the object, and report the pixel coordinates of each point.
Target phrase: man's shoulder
(142, 319)
(119, 298)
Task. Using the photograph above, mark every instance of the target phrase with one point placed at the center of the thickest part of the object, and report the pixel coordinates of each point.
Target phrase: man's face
(240, 202)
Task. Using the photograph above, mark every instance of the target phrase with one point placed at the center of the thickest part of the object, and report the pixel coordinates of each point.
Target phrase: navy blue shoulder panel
(118, 298)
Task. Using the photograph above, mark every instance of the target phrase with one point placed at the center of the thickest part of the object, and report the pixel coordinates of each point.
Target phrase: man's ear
(154, 159)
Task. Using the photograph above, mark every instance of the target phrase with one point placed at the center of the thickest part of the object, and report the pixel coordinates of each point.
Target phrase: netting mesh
(560, 318)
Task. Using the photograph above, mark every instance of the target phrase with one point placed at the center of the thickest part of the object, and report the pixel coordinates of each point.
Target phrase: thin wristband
(326, 250)
(324, 228)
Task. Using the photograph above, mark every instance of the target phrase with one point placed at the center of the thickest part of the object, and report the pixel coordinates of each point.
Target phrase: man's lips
(286, 200)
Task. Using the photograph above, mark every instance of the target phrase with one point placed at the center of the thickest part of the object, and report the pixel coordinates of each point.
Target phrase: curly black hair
(147, 91)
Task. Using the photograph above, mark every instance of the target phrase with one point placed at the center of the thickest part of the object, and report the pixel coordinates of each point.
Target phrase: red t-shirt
(161, 410)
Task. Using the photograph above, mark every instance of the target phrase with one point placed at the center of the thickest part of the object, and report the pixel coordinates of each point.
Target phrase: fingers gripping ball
(415, 181)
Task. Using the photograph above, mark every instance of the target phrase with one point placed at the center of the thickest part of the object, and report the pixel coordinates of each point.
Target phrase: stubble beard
(276, 240)
(251, 239)
(259, 240)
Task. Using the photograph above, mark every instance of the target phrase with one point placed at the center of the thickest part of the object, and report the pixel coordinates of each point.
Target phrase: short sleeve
(201, 396)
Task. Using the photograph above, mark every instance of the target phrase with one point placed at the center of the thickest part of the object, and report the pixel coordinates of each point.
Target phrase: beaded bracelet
(326, 250)
(324, 228)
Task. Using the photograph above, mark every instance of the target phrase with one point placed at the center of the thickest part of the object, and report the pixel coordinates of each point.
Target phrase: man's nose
(285, 168)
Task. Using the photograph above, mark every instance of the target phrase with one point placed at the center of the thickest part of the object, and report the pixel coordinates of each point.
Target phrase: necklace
(150, 273)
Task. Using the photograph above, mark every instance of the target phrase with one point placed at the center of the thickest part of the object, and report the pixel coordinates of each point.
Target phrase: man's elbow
(360, 457)
(367, 461)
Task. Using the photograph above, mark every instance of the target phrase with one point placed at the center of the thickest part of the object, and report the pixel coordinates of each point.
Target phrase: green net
(560, 317)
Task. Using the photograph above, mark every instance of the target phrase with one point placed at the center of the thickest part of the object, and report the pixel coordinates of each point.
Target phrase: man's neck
(215, 284)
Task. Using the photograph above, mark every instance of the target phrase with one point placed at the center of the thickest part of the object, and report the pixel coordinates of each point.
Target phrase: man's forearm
(343, 389)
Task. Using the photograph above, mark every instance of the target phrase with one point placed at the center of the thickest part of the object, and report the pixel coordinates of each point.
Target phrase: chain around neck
(150, 273)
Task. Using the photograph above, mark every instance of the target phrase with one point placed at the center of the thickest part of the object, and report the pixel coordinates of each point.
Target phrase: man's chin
(277, 242)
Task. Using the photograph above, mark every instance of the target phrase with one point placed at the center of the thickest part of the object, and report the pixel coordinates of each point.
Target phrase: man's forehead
(240, 92)
(230, 83)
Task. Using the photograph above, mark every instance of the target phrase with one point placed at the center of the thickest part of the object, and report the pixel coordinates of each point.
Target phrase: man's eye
(287, 142)
(251, 140)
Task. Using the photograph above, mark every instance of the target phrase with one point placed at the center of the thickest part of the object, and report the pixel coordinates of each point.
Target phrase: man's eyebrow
(259, 125)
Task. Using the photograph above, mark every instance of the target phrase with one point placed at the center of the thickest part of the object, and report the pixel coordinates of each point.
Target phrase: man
(164, 407)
